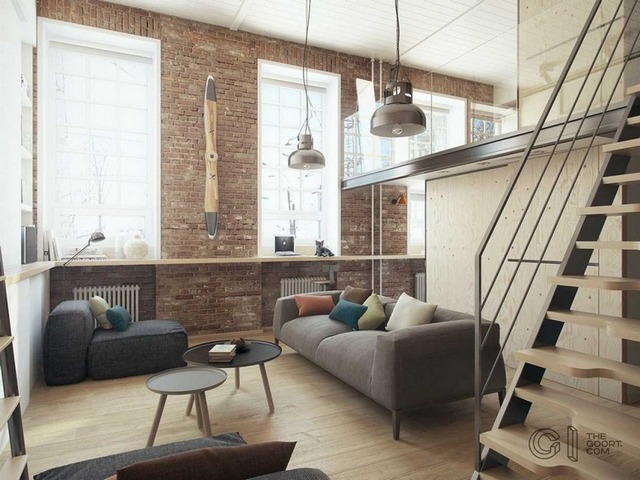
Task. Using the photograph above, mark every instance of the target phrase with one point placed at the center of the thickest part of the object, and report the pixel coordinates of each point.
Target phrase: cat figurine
(321, 250)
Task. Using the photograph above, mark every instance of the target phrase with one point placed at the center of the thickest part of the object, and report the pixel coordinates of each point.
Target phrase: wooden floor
(336, 428)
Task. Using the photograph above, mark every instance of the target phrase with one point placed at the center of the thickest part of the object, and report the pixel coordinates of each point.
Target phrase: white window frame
(122, 44)
(331, 149)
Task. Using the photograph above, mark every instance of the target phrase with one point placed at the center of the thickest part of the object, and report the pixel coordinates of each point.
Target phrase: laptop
(284, 245)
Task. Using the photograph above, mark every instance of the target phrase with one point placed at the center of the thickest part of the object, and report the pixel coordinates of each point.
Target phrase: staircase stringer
(514, 410)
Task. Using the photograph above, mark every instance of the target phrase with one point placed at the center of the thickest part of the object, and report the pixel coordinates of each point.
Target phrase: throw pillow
(118, 317)
(313, 304)
(99, 307)
(374, 316)
(348, 313)
(225, 463)
(410, 312)
(356, 295)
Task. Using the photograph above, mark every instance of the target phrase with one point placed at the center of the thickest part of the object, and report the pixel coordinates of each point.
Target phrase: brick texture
(235, 298)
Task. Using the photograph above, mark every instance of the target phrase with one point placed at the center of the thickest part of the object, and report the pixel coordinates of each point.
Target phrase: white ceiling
(473, 39)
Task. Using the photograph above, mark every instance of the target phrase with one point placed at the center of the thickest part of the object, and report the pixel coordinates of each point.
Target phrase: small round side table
(185, 381)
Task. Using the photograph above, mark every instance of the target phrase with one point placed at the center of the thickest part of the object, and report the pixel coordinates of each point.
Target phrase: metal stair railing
(482, 299)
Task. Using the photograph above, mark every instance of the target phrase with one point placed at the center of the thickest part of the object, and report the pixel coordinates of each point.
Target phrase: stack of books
(222, 353)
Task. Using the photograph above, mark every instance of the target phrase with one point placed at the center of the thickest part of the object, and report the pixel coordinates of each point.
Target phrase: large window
(297, 202)
(99, 146)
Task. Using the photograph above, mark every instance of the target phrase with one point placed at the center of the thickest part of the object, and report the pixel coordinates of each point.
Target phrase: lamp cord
(304, 66)
(397, 67)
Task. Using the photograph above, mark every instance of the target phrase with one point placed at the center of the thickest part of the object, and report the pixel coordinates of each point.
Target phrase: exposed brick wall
(223, 298)
(143, 275)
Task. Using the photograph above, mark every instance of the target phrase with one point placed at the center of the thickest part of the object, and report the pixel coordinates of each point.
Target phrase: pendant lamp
(398, 117)
(306, 157)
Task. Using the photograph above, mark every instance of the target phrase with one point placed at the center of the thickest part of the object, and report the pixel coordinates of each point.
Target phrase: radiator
(124, 295)
(292, 286)
(421, 286)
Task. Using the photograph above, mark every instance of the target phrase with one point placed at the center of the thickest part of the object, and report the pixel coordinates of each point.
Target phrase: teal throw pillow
(118, 317)
(348, 313)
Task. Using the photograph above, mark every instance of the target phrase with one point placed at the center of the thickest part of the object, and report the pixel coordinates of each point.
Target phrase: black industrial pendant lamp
(306, 157)
(398, 117)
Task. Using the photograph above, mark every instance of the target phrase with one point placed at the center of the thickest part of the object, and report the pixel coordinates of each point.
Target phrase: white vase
(137, 247)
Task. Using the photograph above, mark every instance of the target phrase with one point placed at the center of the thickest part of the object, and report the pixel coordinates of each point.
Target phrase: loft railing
(534, 203)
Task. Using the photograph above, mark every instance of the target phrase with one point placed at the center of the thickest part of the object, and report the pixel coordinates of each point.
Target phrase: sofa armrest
(286, 309)
(430, 363)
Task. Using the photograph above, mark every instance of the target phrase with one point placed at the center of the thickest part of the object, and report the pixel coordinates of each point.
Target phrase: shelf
(25, 154)
(26, 101)
(26, 208)
(7, 406)
(5, 342)
(13, 468)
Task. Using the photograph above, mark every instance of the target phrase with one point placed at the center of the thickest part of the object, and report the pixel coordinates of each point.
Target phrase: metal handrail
(481, 302)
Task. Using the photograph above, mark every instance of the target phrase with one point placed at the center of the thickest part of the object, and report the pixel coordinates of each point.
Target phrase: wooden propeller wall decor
(211, 198)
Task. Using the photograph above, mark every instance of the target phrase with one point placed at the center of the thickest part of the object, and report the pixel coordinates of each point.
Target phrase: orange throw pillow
(314, 304)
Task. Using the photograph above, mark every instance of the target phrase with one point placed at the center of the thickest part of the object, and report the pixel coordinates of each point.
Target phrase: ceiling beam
(241, 14)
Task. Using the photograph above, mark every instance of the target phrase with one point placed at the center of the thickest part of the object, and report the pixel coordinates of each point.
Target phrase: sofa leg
(502, 393)
(395, 424)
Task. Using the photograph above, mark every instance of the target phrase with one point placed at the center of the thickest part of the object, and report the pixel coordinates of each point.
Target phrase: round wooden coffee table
(185, 381)
(258, 352)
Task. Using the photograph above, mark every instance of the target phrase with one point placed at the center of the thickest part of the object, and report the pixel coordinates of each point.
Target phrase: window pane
(103, 91)
(71, 113)
(70, 87)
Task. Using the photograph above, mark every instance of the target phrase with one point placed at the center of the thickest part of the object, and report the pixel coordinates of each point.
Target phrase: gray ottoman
(144, 347)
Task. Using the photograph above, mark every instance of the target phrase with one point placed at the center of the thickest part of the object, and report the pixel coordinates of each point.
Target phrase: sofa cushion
(410, 312)
(348, 313)
(313, 304)
(103, 467)
(230, 463)
(350, 357)
(355, 294)
(304, 334)
(374, 316)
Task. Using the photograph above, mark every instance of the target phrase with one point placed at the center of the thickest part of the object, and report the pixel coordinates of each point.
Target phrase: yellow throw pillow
(410, 312)
(99, 307)
(374, 316)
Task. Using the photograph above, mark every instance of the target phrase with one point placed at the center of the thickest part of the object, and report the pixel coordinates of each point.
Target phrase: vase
(136, 247)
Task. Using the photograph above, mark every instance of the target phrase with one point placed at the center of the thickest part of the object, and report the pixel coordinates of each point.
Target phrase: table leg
(156, 420)
(190, 404)
(198, 409)
(205, 413)
(265, 383)
(237, 377)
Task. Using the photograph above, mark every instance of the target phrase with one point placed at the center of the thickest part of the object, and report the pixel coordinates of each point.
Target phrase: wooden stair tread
(624, 209)
(513, 443)
(626, 147)
(595, 281)
(579, 364)
(7, 406)
(500, 473)
(585, 414)
(5, 342)
(633, 89)
(633, 120)
(622, 179)
(13, 468)
(621, 327)
(621, 245)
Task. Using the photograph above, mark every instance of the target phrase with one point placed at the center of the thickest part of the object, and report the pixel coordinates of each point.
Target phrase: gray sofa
(401, 370)
(101, 468)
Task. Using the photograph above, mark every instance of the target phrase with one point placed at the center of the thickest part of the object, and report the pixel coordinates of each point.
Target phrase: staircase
(16, 467)
(512, 440)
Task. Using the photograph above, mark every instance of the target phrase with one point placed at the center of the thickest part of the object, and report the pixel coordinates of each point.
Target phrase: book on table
(222, 352)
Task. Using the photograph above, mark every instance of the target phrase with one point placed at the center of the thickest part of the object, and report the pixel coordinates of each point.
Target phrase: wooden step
(513, 443)
(587, 415)
(633, 89)
(579, 364)
(633, 121)
(626, 245)
(5, 342)
(625, 209)
(626, 147)
(615, 326)
(595, 281)
(7, 406)
(13, 468)
(625, 179)
(500, 473)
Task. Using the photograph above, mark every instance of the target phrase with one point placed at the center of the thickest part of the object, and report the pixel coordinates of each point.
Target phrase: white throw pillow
(410, 312)
(99, 307)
